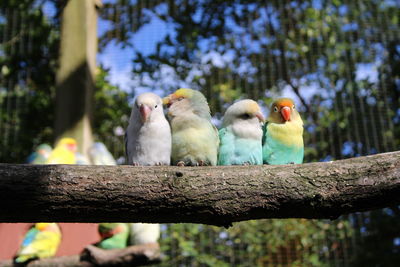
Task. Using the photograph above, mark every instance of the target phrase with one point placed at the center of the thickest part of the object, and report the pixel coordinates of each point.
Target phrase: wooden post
(75, 76)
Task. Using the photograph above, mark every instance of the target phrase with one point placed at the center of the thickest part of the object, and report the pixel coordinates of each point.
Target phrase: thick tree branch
(210, 195)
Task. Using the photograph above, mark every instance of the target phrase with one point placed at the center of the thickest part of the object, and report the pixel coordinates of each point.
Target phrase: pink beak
(144, 112)
(285, 111)
(260, 116)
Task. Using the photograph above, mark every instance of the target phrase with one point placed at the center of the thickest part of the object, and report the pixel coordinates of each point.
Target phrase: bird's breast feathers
(247, 130)
(149, 144)
(194, 137)
(289, 133)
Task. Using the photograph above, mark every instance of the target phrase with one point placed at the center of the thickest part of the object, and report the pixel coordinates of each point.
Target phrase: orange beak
(285, 111)
(144, 112)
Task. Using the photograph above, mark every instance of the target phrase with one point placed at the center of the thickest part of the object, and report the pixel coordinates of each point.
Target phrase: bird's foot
(158, 164)
(180, 163)
(291, 162)
(246, 163)
(201, 163)
(136, 164)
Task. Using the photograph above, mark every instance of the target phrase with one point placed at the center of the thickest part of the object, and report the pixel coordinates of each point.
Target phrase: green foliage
(289, 242)
(111, 114)
(28, 57)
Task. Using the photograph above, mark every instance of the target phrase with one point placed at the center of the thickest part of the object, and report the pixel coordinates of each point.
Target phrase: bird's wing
(29, 237)
(31, 158)
(226, 148)
(126, 147)
(217, 135)
(46, 242)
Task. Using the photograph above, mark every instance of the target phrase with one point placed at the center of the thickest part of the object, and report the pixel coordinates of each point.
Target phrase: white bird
(148, 136)
(143, 233)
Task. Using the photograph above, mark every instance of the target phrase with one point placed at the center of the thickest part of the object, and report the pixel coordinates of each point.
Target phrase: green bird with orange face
(283, 134)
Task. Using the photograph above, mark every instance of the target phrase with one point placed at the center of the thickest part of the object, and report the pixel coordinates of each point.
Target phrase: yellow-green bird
(64, 152)
(195, 139)
(283, 134)
(41, 241)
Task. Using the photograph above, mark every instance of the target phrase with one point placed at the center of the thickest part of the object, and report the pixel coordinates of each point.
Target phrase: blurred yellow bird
(41, 241)
(64, 152)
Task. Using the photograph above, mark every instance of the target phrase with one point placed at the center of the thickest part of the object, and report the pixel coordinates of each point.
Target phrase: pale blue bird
(241, 134)
(99, 155)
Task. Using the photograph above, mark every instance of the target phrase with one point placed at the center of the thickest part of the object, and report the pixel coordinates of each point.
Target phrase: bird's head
(68, 143)
(107, 230)
(98, 147)
(44, 150)
(184, 100)
(246, 109)
(148, 104)
(283, 110)
(52, 227)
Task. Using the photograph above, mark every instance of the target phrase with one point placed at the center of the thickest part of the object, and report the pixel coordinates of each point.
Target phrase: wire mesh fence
(339, 60)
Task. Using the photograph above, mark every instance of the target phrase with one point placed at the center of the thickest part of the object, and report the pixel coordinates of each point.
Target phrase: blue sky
(119, 59)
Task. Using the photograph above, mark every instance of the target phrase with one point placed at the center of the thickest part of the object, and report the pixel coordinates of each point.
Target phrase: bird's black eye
(155, 106)
(245, 116)
(181, 98)
(293, 107)
(275, 109)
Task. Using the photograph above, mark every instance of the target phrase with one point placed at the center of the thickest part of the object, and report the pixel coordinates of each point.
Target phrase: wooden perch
(140, 255)
(209, 195)
(92, 256)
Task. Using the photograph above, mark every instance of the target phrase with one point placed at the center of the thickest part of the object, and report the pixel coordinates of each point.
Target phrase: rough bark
(139, 255)
(131, 256)
(209, 195)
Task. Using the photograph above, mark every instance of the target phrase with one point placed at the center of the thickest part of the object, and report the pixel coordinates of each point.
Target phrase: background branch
(139, 255)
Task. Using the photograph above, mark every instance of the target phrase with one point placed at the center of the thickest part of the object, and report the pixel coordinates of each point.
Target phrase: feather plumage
(41, 241)
(113, 235)
(99, 155)
(283, 134)
(195, 139)
(41, 154)
(64, 152)
(241, 134)
(148, 136)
